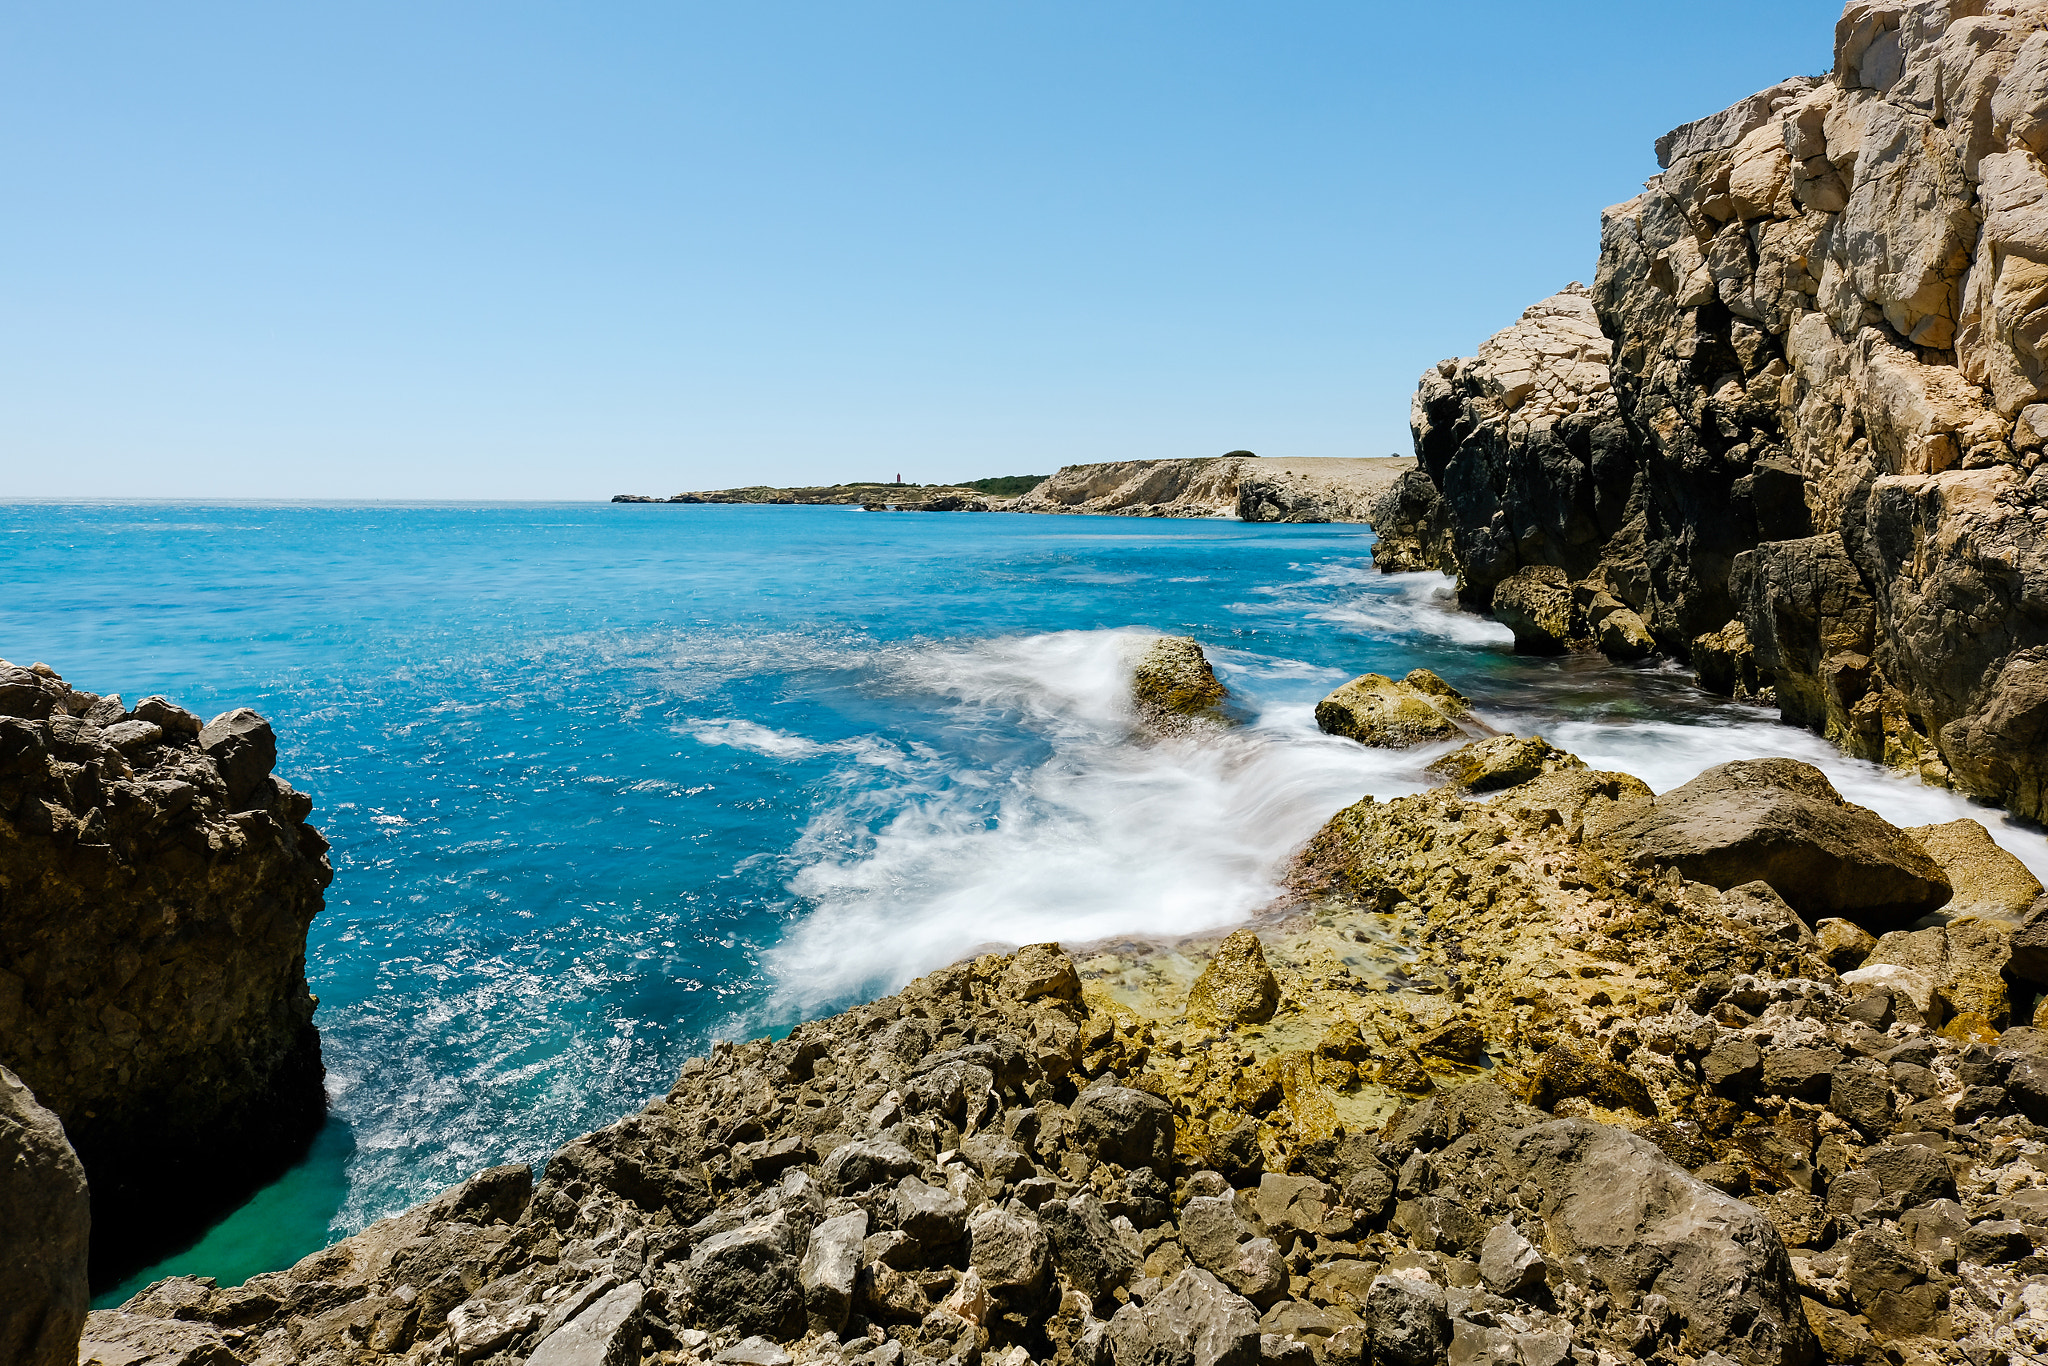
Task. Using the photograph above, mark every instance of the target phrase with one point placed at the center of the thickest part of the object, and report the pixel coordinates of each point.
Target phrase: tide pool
(607, 782)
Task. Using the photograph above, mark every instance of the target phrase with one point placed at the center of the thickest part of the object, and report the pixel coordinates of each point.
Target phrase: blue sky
(519, 250)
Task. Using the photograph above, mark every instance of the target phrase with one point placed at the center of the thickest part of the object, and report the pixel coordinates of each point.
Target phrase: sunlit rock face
(1796, 425)
(156, 885)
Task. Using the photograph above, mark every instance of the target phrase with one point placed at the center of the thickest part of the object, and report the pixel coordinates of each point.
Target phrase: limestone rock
(1535, 602)
(153, 985)
(1129, 1127)
(605, 1334)
(1193, 1322)
(1375, 710)
(1172, 678)
(1782, 822)
(1500, 762)
(1989, 883)
(1236, 987)
(43, 1237)
(831, 1262)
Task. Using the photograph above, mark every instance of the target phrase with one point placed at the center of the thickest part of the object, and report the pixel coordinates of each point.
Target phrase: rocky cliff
(156, 884)
(1796, 427)
(1572, 1074)
(43, 1239)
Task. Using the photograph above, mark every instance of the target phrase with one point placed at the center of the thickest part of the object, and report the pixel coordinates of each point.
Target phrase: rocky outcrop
(156, 884)
(893, 497)
(1797, 425)
(1173, 685)
(44, 1236)
(1378, 711)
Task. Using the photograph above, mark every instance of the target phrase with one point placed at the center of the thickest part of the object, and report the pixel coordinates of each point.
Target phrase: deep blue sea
(608, 782)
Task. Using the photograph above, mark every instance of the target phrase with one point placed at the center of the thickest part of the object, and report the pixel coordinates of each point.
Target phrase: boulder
(1009, 1250)
(1377, 711)
(830, 1265)
(1988, 882)
(43, 1235)
(244, 748)
(746, 1280)
(1508, 1262)
(1042, 971)
(1085, 1247)
(867, 1162)
(1236, 987)
(1535, 602)
(1195, 1321)
(931, 1214)
(1781, 822)
(1843, 943)
(115, 1338)
(1410, 1325)
(1615, 1208)
(1500, 762)
(606, 1334)
(2029, 944)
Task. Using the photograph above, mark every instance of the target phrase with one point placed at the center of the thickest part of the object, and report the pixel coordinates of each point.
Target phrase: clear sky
(521, 250)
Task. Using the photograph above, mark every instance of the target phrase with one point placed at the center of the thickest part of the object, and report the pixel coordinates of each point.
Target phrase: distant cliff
(1247, 488)
(1796, 427)
(156, 885)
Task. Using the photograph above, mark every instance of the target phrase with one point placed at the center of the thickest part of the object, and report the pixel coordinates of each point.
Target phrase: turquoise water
(606, 782)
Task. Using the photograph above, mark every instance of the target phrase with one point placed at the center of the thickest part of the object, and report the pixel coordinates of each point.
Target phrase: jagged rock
(1085, 1247)
(1010, 1252)
(1535, 602)
(1236, 987)
(1042, 970)
(1193, 1322)
(1410, 1325)
(746, 1280)
(1501, 762)
(152, 957)
(1782, 822)
(2029, 944)
(830, 1266)
(43, 1236)
(1375, 710)
(113, 1338)
(1172, 679)
(931, 1214)
(605, 1334)
(868, 1162)
(1508, 1262)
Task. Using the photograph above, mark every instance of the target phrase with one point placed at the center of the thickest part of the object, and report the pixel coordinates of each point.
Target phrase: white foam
(1096, 834)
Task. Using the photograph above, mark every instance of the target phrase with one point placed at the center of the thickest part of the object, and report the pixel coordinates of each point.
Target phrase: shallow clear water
(606, 782)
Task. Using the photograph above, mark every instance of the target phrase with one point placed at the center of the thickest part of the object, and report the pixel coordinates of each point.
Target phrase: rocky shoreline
(1531, 1067)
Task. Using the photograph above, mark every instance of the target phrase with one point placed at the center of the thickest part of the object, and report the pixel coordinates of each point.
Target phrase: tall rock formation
(1797, 425)
(156, 884)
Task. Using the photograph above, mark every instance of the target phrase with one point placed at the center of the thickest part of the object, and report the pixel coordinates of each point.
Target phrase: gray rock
(1508, 1262)
(1781, 822)
(931, 1214)
(1801, 1072)
(1292, 1204)
(755, 1351)
(1009, 1250)
(1616, 1208)
(1996, 1240)
(1128, 1127)
(1860, 1091)
(746, 1280)
(131, 736)
(244, 748)
(867, 1162)
(174, 719)
(1087, 1250)
(1912, 1172)
(1410, 1325)
(830, 1265)
(43, 1234)
(1195, 1321)
(605, 1334)
(1211, 1230)
(115, 1338)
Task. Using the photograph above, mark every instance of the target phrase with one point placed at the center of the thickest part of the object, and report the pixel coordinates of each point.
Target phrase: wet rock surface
(1174, 686)
(1795, 432)
(156, 885)
(1605, 1114)
(1387, 714)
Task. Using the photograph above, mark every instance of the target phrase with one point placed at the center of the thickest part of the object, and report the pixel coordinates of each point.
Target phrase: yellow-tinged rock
(1237, 987)
(1375, 710)
(1172, 678)
(1308, 1105)
(1989, 883)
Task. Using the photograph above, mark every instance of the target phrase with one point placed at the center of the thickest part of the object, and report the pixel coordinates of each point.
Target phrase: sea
(608, 782)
